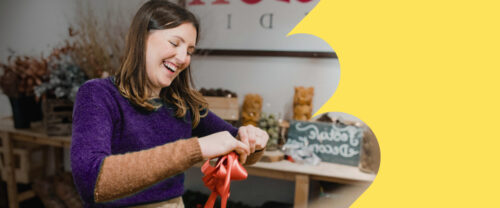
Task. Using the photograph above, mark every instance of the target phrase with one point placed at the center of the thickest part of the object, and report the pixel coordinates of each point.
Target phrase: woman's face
(168, 52)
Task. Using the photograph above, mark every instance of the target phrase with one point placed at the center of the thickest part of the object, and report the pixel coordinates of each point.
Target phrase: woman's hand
(255, 138)
(222, 143)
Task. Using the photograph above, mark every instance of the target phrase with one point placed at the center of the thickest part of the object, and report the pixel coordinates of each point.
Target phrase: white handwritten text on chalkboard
(332, 135)
(331, 142)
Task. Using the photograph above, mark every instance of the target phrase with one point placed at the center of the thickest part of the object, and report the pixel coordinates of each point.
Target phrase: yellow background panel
(424, 75)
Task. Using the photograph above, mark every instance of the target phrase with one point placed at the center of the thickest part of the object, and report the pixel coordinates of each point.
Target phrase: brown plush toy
(302, 103)
(252, 107)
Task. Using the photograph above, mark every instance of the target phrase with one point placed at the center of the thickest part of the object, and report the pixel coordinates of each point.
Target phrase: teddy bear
(252, 107)
(302, 103)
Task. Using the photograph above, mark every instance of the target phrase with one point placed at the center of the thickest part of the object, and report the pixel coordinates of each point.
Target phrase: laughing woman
(135, 133)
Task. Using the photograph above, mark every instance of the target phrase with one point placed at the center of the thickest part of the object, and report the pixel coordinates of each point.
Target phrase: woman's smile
(170, 66)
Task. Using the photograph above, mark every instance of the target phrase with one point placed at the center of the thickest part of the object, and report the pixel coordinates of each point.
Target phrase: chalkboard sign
(332, 142)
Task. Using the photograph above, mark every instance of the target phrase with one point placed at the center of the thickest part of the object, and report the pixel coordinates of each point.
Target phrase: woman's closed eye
(175, 44)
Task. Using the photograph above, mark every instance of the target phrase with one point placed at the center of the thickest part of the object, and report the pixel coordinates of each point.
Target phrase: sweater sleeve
(91, 137)
(123, 175)
(212, 124)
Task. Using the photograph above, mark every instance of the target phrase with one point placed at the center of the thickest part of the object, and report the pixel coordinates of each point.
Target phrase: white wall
(31, 27)
(273, 78)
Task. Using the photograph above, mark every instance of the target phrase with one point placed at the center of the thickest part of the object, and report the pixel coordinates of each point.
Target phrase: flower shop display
(64, 78)
(59, 89)
(20, 75)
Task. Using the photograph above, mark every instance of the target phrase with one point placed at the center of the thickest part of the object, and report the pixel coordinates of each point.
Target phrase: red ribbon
(218, 178)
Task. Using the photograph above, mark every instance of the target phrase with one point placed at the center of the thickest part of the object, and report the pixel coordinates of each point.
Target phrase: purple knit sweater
(105, 123)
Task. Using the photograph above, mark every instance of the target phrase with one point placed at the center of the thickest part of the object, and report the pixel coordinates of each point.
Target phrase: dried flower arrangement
(98, 44)
(19, 77)
(65, 76)
(93, 50)
(21, 74)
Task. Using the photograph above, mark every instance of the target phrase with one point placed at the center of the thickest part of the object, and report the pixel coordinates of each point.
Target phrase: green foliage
(63, 81)
(270, 124)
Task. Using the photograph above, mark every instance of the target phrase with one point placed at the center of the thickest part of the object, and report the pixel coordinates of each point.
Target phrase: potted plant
(64, 76)
(20, 75)
(58, 90)
(84, 56)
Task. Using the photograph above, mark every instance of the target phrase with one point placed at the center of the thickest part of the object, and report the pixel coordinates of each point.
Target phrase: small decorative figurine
(252, 107)
(302, 103)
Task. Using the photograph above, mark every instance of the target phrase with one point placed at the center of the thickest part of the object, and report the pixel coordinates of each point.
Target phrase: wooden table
(302, 174)
(35, 135)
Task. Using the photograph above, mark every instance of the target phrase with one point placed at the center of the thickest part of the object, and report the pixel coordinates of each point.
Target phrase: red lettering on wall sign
(196, 2)
(200, 2)
(220, 2)
(251, 1)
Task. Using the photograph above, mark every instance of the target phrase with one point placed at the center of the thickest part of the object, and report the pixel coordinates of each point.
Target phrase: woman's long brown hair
(131, 78)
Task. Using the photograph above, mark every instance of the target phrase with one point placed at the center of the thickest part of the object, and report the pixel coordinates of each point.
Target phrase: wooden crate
(57, 116)
(226, 108)
(29, 162)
